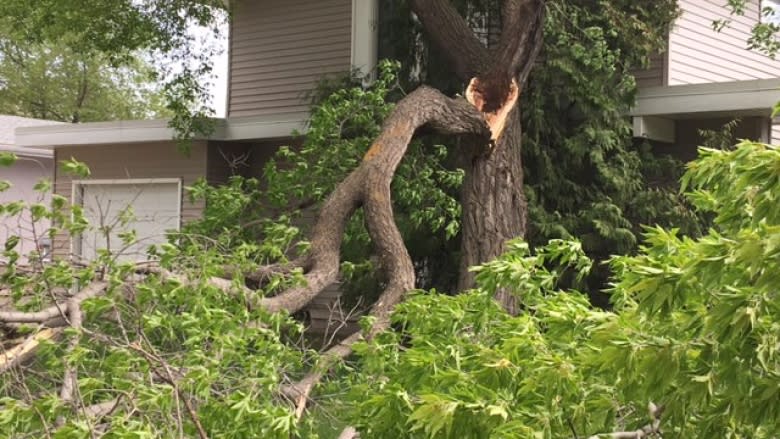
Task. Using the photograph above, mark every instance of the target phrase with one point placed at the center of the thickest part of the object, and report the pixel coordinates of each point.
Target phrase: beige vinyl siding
(226, 159)
(775, 134)
(653, 75)
(698, 54)
(279, 49)
(132, 161)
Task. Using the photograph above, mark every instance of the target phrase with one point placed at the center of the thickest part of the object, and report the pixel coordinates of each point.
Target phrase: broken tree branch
(23, 351)
(57, 310)
(368, 186)
(651, 429)
(450, 32)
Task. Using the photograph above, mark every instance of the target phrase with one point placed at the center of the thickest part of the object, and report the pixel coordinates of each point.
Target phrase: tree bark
(494, 205)
(492, 197)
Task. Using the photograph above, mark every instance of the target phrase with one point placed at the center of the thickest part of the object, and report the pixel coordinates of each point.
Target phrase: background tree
(116, 31)
(52, 81)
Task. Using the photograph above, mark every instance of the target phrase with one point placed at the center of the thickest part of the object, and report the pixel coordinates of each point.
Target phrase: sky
(205, 38)
(219, 87)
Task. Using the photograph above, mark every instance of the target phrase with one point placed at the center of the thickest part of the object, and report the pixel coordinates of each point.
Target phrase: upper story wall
(698, 54)
(280, 49)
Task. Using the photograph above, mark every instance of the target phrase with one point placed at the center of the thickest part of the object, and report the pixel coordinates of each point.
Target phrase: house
(32, 165)
(278, 51)
(707, 78)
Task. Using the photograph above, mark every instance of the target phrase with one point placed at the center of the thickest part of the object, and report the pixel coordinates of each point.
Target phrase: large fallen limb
(57, 310)
(368, 186)
(25, 350)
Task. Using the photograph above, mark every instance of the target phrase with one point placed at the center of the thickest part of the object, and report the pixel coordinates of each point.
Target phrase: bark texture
(368, 187)
(494, 204)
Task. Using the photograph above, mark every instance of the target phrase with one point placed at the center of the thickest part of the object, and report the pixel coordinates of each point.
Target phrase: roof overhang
(123, 132)
(727, 99)
(27, 152)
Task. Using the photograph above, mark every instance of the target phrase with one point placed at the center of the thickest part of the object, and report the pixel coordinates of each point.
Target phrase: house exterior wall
(225, 159)
(23, 175)
(133, 161)
(775, 136)
(280, 49)
(655, 74)
(697, 54)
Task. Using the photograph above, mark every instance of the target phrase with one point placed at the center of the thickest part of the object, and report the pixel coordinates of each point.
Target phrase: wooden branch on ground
(349, 433)
(25, 350)
(651, 429)
(57, 310)
(264, 272)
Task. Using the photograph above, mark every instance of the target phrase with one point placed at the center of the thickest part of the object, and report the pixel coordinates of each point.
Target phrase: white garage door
(149, 208)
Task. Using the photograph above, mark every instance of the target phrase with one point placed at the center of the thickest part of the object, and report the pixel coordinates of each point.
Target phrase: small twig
(171, 381)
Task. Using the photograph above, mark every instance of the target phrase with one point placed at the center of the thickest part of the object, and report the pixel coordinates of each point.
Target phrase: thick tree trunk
(494, 206)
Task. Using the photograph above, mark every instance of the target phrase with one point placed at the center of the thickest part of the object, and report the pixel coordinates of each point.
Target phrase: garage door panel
(149, 209)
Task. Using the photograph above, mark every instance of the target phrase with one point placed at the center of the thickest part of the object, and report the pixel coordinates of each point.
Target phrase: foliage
(694, 328)
(150, 345)
(55, 82)
(341, 130)
(115, 32)
(584, 176)
(763, 35)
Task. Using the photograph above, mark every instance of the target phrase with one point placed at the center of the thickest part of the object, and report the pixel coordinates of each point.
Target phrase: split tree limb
(368, 186)
(94, 289)
(651, 429)
(450, 31)
(23, 351)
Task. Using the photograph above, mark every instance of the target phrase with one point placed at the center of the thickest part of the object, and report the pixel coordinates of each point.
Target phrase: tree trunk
(494, 206)
(492, 198)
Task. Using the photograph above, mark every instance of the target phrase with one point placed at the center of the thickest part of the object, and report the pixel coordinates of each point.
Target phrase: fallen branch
(57, 310)
(349, 433)
(265, 272)
(651, 429)
(23, 351)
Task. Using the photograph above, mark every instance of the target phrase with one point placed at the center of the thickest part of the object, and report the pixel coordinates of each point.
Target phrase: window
(770, 11)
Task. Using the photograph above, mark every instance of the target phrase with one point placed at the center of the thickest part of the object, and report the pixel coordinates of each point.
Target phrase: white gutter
(123, 132)
(27, 152)
(755, 97)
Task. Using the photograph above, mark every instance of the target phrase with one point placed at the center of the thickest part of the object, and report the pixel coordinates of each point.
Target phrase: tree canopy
(51, 81)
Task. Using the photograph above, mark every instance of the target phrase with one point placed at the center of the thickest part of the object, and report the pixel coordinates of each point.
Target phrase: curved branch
(368, 186)
(425, 106)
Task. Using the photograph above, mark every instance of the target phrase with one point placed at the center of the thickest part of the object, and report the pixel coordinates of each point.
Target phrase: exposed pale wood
(23, 351)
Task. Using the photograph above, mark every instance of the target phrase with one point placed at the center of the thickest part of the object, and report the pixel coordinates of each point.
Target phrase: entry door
(149, 208)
